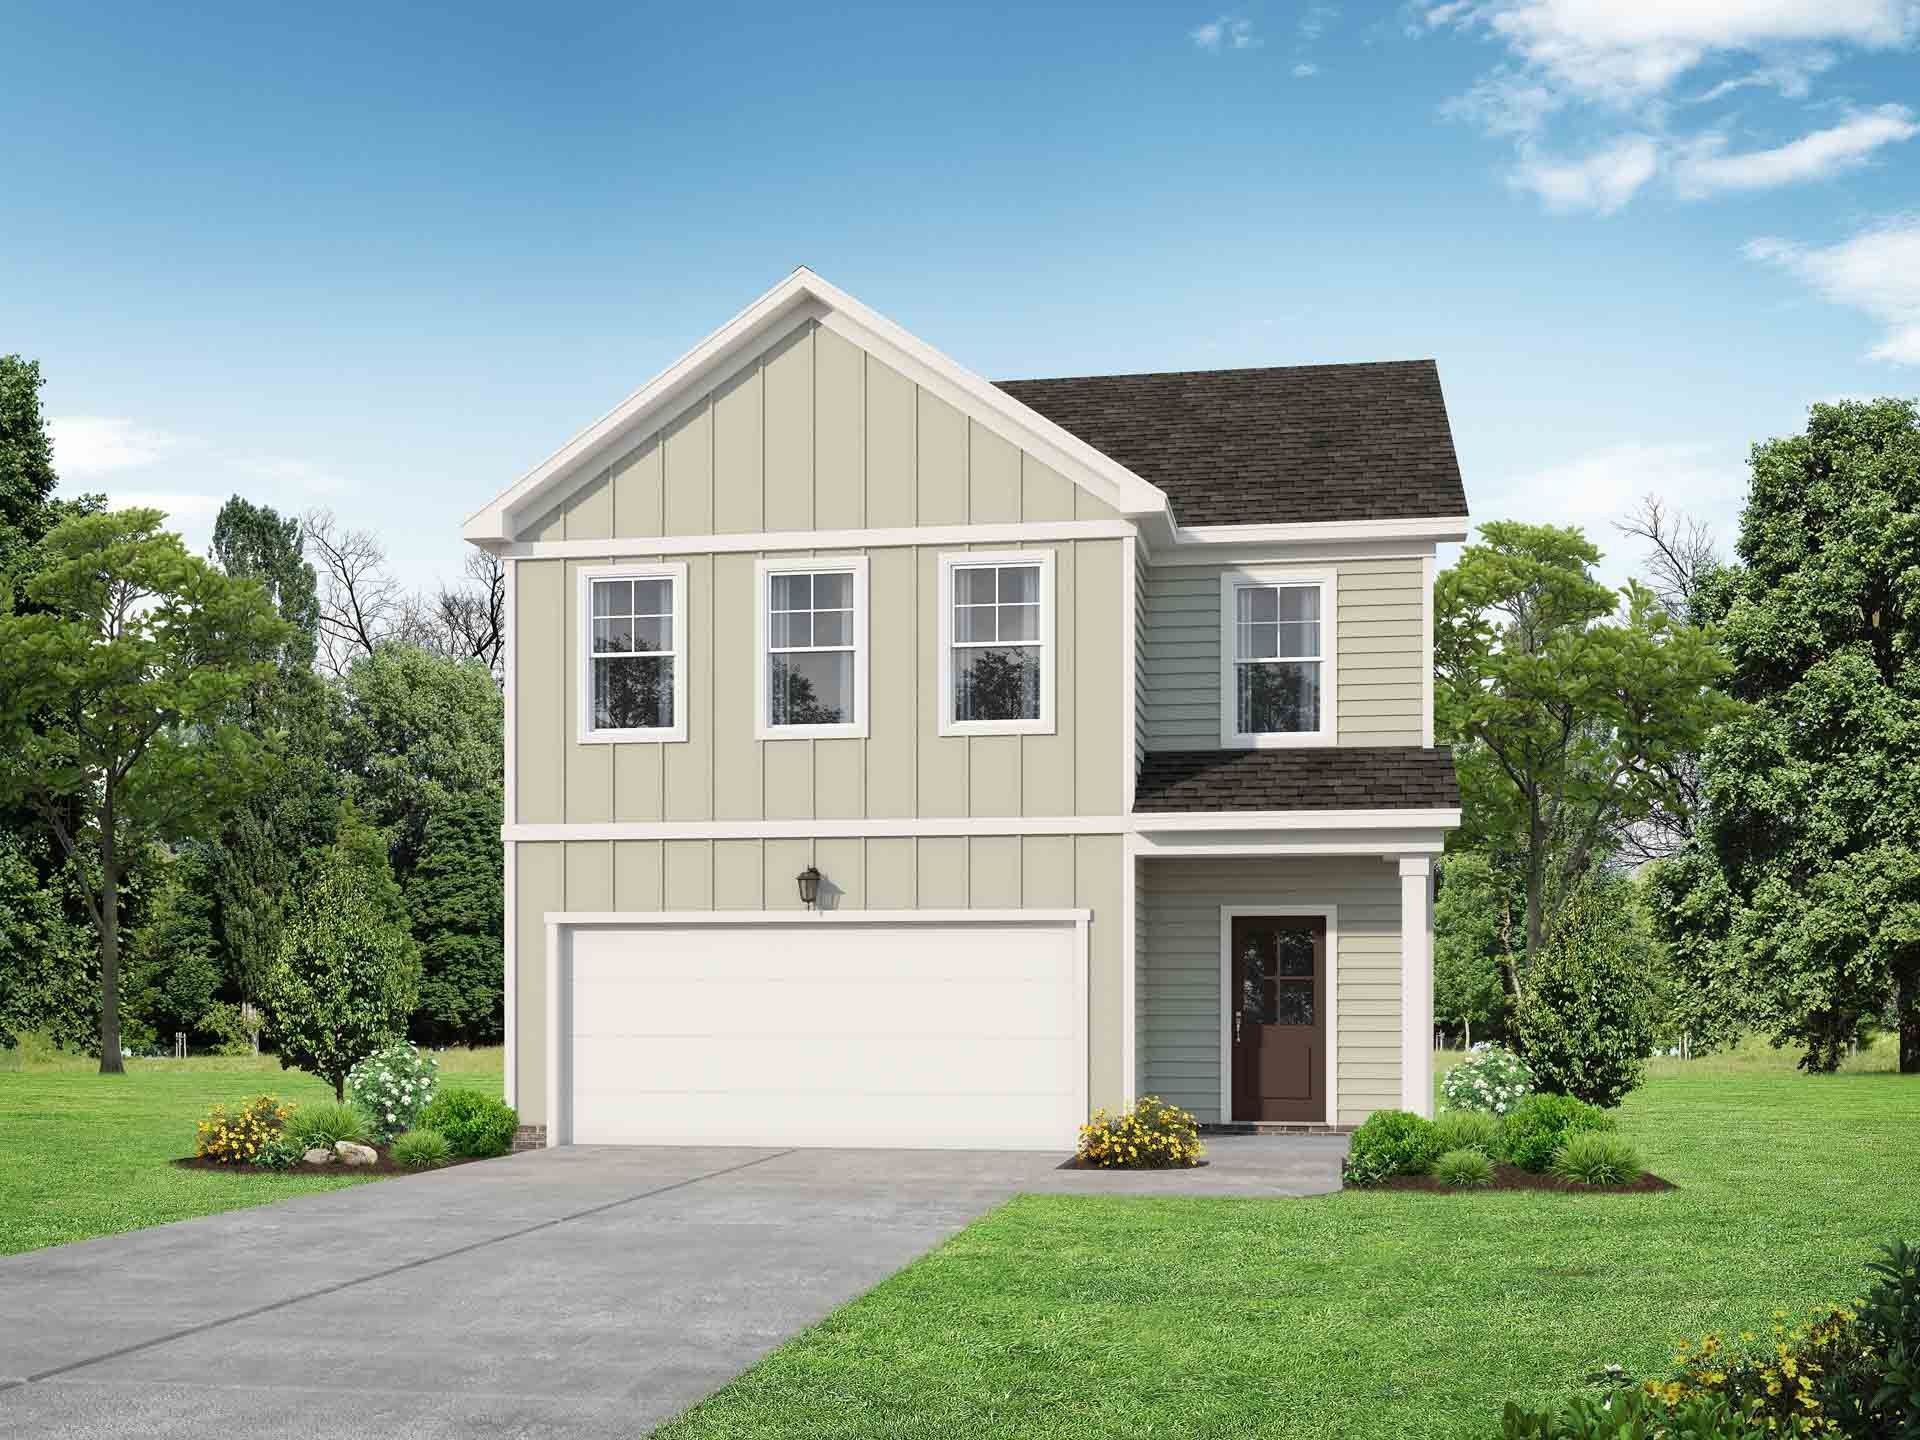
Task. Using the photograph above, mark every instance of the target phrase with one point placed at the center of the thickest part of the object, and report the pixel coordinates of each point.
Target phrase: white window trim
(1048, 642)
(763, 573)
(1231, 738)
(676, 571)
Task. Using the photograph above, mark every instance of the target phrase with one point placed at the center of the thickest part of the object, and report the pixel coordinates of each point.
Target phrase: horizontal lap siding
(1379, 655)
(1179, 972)
(996, 872)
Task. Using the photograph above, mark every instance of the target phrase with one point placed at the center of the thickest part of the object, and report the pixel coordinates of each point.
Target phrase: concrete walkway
(580, 1291)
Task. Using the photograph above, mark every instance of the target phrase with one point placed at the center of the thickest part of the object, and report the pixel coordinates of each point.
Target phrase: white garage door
(830, 1030)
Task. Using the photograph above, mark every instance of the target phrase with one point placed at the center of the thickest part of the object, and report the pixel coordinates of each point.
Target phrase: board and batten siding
(1381, 654)
(1179, 972)
(992, 872)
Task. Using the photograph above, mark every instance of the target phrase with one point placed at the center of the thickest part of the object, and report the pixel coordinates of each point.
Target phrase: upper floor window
(1277, 667)
(633, 628)
(996, 644)
(813, 649)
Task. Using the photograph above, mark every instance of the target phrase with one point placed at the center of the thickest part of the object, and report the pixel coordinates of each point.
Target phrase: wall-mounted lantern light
(809, 881)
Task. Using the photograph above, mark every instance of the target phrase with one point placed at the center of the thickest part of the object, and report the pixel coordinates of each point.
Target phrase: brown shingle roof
(1271, 446)
(1333, 777)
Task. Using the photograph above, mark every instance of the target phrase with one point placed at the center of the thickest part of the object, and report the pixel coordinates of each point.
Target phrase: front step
(1273, 1127)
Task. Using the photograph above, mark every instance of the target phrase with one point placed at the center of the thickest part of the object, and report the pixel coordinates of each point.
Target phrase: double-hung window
(1277, 663)
(813, 649)
(633, 634)
(996, 644)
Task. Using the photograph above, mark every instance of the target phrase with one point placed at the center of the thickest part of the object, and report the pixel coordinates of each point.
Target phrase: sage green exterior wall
(1179, 972)
(978, 872)
(1380, 655)
(903, 768)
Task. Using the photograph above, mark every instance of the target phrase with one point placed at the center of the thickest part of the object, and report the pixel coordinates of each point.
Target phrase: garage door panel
(816, 1033)
(639, 1011)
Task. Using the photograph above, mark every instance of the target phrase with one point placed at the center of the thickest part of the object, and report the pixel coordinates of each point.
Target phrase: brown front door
(1277, 1020)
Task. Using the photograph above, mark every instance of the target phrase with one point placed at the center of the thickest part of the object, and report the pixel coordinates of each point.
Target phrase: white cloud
(1622, 59)
(1620, 51)
(1704, 167)
(1305, 70)
(1227, 33)
(86, 447)
(1876, 272)
(1601, 182)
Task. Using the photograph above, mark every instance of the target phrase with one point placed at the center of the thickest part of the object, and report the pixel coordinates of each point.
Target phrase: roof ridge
(1331, 365)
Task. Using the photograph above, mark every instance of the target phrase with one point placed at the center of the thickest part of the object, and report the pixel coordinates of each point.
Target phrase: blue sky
(383, 259)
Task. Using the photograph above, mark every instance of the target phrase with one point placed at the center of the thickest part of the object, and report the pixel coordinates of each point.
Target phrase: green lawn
(85, 1154)
(1363, 1314)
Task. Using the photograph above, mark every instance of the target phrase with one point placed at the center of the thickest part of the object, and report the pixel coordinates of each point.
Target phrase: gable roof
(1296, 443)
(1333, 777)
(803, 296)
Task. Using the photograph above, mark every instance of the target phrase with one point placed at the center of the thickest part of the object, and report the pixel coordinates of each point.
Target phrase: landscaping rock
(352, 1154)
(319, 1155)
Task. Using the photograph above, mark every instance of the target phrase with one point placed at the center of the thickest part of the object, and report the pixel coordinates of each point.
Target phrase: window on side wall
(633, 628)
(996, 644)
(1277, 662)
(812, 681)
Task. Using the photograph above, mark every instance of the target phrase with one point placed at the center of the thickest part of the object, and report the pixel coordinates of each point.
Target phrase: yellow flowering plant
(238, 1135)
(1152, 1135)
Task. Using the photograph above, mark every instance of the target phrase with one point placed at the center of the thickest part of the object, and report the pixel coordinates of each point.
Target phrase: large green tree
(1473, 923)
(456, 902)
(265, 844)
(1801, 891)
(116, 698)
(1571, 707)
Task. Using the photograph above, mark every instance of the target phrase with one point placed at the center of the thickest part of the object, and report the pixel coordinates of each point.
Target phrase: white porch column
(1416, 984)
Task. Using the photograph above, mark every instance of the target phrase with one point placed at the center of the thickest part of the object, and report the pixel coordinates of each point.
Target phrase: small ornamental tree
(1586, 1022)
(346, 979)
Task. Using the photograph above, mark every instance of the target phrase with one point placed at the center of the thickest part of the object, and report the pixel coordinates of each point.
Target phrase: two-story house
(899, 758)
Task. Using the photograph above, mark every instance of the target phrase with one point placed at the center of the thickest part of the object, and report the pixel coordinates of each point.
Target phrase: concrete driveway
(580, 1291)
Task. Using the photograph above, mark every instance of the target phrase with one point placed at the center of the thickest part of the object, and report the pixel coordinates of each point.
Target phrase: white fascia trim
(624, 918)
(674, 570)
(763, 571)
(510, 1081)
(802, 296)
(1434, 530)
(1298, 820)
(1328, 583)
(1256, 844)
(1049, 643)
(750, 542)
(900, 828)
(1330, 913)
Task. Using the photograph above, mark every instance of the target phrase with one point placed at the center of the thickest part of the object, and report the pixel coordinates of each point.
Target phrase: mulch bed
(385, 1165)
(1074, 1162)
(1512, 1177)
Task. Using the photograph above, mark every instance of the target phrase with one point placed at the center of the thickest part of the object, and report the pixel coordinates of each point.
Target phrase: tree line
(1706, 785)
(192, 748)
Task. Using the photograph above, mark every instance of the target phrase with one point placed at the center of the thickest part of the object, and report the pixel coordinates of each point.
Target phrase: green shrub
(1153, 1135)
(1635, 1415)
(1595, 1157)
(476, 1125)
(1464, 1169)
(1585, 1023)
(326, 1124)
(1540, 1124)
(279, 1152)
(1470, 1130)
(1390, 1142)
(235, 1136)
(421, 1149)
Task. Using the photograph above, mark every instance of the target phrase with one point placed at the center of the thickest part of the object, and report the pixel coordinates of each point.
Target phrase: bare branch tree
(362, 603)
(1680, 553)
(467, 620)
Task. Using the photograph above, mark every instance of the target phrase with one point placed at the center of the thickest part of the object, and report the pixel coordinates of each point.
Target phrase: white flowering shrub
(1492, 1079)
(393, 1085)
